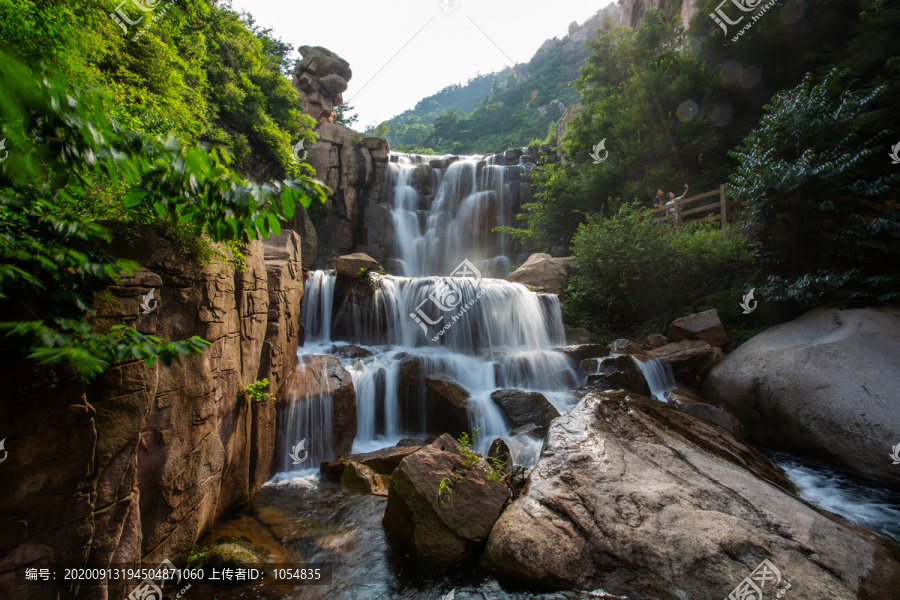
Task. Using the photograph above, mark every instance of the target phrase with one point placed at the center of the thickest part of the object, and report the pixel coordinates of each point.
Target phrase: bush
(636, 275)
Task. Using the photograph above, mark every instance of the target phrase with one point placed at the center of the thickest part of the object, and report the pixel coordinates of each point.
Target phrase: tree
(343, 116)
(53, 262)
(810, 159)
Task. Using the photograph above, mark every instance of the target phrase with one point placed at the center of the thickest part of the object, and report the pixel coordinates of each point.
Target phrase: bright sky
(404, 50)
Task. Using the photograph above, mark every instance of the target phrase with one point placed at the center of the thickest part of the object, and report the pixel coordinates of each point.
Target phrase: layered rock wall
(138, 464)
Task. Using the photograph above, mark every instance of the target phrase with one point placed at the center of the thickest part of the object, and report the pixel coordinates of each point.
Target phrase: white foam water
(863, 502)
(659, 376)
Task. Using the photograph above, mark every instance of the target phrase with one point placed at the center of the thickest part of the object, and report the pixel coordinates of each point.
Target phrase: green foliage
(258, 391)
(810, 158)
(493, 112)
(445, 489)
(636, 275)
(654, 105)
(470, 457)
(343, 116)
(53, 261)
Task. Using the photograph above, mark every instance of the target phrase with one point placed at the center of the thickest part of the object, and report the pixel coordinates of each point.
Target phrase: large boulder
(824, 386)
(545, 273)
(442, 524)
(452, 402)
(351, 265)
(646, 501)
(704, 326)
(524, 407)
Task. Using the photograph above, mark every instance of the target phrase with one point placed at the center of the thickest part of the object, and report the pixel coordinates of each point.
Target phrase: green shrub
(637, 275)
(258, 391)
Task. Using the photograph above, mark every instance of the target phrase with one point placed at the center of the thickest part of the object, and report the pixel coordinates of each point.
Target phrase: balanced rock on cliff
(627, 485)
(321, 79)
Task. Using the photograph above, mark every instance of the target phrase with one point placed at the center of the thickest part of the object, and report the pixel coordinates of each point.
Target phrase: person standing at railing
(672, 199)
(658, 200)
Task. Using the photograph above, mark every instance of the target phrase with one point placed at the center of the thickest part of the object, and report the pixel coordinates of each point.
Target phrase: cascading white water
(315, 313)
(659, 377)
(433, 235)
(305, 421)
(485, 334)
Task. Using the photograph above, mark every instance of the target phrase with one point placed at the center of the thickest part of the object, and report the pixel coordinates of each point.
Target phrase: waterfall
(315, 313)
(659, 376)
(434, 232)
(437, 317)
(305, 421)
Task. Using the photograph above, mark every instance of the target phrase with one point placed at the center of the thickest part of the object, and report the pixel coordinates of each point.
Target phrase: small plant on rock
(259, 391)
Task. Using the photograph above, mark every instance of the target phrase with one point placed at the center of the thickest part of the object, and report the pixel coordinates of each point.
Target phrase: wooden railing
(702, 208)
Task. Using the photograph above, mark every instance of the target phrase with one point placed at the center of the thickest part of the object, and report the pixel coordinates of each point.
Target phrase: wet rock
(581, 352)
(529, 429)
(616, 372)
(411, 370)
(704, 326)
(317, 374)
(690, 360)
(545, 273)
(382, 462)
(357, 477)
(626, 346)
(440, 531)
(499, 450)
(350, 265)
(452, 402)
(410, 443)
(692, 403)
(654, 340)
(524, 408)
(824, 386)
(350, 351)
(646, 501)
(231, 555)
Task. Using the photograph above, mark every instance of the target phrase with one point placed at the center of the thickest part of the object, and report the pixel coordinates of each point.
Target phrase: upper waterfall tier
(460, 314)
(445, 210)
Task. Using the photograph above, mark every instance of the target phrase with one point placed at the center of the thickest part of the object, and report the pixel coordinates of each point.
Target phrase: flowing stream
(442, 315)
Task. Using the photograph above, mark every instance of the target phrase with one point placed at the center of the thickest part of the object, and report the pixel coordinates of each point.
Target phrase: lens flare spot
(687, 110)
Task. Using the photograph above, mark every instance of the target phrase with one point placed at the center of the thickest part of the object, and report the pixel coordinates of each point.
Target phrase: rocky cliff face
(353, 167)
(631, 12)
(137, 465)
